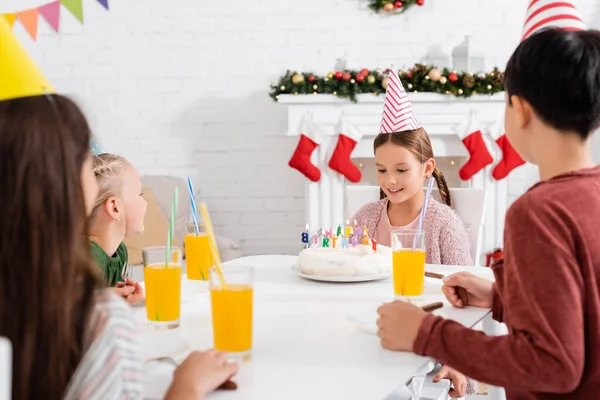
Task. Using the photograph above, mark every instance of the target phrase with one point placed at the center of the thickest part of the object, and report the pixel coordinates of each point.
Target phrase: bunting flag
(104, 3)
(75, 7)
(10, 18)
(29, 19)
(50, 12)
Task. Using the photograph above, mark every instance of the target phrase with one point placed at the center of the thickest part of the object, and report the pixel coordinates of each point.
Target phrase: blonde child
(118, 211)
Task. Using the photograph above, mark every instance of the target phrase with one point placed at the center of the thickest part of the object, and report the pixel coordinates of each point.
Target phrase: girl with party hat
(71, 337)
(404, 159)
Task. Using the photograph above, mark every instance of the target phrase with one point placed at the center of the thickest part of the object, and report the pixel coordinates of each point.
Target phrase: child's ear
(429, 167)
(521, 110)
(112, 208)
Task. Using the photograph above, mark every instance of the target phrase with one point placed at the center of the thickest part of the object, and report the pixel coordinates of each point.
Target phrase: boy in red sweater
(547, 288)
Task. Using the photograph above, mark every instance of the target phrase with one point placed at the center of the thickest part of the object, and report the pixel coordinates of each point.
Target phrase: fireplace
(439, 114)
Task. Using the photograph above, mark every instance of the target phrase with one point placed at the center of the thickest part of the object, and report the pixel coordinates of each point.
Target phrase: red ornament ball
(346, 76)
(398, 4)
(311, 78)
(360, 77)
(364, 72)
(420, 2)
(339, 74)
(410, 74)
(452, 76)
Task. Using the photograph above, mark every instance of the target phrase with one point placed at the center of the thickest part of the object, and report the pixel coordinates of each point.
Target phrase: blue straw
(423, 211)
(193, 204)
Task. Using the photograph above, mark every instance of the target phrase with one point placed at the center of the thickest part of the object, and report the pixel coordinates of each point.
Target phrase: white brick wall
(181, 86)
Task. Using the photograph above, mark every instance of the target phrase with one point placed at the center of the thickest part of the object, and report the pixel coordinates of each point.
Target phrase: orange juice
(199, 258)
(163, 292)
(408, 272)
(232, 318)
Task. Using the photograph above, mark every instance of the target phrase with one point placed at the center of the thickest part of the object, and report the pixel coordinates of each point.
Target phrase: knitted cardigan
(446, 238)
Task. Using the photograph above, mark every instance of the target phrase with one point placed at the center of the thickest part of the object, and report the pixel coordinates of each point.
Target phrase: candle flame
(306, 228)
(355, 223)
(347, 222)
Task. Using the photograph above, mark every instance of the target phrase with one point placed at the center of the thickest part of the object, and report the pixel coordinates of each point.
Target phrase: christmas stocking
(510, 159)
(340, 160)
(479, 156)
(309, 140)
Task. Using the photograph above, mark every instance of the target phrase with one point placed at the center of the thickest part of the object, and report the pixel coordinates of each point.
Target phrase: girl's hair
(108, 169)
(49, 282)
(417, 142)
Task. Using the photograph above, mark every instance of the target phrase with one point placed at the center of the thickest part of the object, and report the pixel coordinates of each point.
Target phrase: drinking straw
(193, 204)
(171, 226)
(212, 242)
(423, 211)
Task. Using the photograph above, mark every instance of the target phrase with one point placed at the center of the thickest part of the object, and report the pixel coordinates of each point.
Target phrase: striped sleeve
(110, 369)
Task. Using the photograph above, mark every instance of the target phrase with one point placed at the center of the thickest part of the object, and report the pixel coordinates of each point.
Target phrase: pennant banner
(10, 18)
(29, 19)
(50, 12)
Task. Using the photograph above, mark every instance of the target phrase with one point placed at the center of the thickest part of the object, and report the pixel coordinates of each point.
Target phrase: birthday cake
(360, 260)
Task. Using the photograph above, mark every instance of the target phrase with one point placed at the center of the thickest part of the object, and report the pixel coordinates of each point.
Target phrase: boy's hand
(465, 289)
(399, 324)
(138, 293)
(200, 374)
(458, 381)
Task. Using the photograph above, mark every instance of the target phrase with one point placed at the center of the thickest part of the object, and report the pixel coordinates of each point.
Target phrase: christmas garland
(394, 6)
(420, 78)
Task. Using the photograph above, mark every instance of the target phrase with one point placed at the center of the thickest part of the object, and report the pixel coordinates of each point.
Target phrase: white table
(305, 343)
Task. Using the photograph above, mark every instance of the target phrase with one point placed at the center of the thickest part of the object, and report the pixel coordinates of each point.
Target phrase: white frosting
(355, 261)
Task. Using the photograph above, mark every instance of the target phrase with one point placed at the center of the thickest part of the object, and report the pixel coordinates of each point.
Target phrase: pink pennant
(51, 13)
(398, 114)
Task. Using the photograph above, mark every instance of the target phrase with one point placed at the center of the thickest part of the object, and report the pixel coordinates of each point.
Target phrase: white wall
(181, 86)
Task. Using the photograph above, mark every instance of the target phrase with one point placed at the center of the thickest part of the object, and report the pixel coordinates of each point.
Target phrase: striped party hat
(552, 14)
(398, 114)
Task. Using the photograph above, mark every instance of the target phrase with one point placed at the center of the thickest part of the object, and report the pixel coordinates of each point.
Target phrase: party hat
(552, 14)
(19, 76)
(398, 114)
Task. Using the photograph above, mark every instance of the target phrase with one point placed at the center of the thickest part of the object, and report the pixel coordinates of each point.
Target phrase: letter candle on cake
(305, 237)
(326, 236)
(348, 229)
(365, 237)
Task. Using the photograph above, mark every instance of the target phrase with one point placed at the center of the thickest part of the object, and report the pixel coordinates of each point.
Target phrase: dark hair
(558, 73)
(48, 278)
(417, 142)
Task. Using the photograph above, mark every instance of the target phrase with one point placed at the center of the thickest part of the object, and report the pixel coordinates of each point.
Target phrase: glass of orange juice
(198, 257)
(408, 264)
(231, 297)
(163, 287)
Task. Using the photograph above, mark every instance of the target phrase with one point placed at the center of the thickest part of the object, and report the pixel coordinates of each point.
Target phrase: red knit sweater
(547, 291)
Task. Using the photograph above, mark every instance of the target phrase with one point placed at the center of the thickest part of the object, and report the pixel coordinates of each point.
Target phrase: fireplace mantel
(439, 114)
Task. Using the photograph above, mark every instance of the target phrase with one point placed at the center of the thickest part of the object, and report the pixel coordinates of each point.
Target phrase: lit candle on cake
(374, 243)
(354, 241)
(365, 237)
(348, 229)
(333, 241)
(339, 231)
